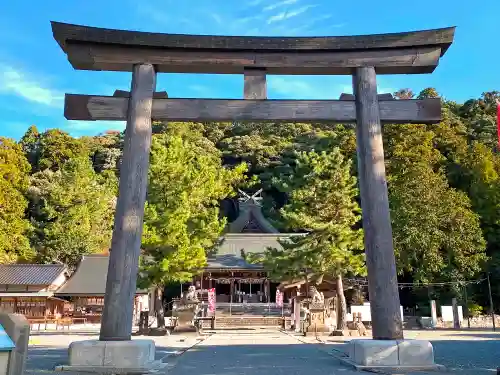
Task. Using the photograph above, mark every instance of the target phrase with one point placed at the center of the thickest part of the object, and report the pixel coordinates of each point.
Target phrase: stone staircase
(252, 309)
(240, 315)
(250, 321)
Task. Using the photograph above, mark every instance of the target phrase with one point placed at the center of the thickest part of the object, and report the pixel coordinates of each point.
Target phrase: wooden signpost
(146, 54)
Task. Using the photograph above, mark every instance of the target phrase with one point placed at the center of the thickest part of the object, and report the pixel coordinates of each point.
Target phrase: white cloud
(289, 14)
(92, 127)
(307, 88)
(17, 83)
(255, 2)
(279, 4)
(217, 18)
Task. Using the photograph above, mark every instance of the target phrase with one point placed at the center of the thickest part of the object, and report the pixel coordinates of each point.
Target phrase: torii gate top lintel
(92, 48)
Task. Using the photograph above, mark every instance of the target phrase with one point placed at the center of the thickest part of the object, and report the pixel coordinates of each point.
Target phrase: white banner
(279, 298)
(211, 300)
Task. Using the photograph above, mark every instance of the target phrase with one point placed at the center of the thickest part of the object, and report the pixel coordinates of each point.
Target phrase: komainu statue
(187, 310)
(191, 295)
(316, 296)
(316, 313)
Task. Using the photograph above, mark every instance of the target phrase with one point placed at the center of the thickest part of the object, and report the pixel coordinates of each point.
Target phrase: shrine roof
(229, 253)
(30, 274)
(89, 279)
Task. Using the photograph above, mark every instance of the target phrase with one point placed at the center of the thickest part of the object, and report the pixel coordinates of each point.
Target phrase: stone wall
(482, 321)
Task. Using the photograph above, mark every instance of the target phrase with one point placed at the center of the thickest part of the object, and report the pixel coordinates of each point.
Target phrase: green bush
(475, 309)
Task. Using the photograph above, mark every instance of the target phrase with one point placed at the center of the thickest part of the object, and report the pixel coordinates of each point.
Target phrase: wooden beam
(126, 94)
(87, 107)
(380, 261)
(255, 86)
(380, 97)
(121, 282)
(65, 33)
(414, 60)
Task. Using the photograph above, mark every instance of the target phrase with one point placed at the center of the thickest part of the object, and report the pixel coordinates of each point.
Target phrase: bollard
(6, 347)
(17, 327)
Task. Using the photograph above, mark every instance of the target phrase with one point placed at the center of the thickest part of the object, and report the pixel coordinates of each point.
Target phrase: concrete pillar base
(391, 355)
(112, 357)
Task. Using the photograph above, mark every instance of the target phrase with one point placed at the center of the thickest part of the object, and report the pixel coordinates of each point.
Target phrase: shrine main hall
(234, 279)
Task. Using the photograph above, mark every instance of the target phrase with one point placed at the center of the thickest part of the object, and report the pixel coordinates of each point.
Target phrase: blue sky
(35, 74)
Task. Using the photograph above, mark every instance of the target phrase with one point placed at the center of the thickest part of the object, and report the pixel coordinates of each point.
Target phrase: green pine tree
(182, 223)
(322, 203)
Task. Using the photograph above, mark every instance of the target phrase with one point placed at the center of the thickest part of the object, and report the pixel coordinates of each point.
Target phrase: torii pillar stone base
(112, 357)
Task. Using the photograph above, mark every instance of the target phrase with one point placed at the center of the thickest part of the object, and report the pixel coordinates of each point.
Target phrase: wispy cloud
(280, 4)
(255, 2)
(217, 18)
(201, 90)
(78, 128)
(315, 87)
(289, 14)
(18, 83)
(308, 88)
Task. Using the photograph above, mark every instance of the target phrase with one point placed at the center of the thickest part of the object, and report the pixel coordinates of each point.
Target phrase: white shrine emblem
(256, 198)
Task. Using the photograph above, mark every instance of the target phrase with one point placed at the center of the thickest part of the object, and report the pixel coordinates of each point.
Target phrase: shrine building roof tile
(89, 279)
(30, 274)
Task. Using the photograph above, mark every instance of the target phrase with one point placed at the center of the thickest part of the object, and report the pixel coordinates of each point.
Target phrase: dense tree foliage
(73, 212)
(14, 171)
(57, 192)
(182, 221)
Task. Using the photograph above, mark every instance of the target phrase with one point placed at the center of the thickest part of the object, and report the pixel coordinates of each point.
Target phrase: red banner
(498, 124)
(211, 300)
(279, 298)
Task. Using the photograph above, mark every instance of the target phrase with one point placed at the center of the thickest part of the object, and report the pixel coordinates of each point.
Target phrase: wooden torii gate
(146, 54)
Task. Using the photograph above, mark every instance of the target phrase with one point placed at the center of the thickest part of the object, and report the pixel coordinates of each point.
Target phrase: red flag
(498, 123)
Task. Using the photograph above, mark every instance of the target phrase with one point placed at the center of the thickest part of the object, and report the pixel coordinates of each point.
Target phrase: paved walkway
(258, 353)
(266, 352)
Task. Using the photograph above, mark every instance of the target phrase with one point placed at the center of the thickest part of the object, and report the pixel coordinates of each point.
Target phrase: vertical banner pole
(492, 311)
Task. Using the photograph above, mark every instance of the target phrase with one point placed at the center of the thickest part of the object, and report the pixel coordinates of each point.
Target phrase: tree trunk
(159, 310)
(342, 305)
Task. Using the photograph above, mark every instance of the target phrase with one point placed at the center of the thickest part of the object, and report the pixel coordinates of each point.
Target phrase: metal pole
(467, 305)
(492, 311)
(231, 291)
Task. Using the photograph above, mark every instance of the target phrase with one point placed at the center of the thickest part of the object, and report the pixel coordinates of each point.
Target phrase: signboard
(211, 300)
(279, 298)
(447, 313)
(6, 344)
(364, 310)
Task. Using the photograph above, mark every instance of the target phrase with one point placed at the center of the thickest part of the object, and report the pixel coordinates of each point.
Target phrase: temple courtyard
(267, 351)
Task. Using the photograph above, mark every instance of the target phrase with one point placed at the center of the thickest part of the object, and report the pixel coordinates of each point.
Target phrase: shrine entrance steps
(246, 321)
(252, 309)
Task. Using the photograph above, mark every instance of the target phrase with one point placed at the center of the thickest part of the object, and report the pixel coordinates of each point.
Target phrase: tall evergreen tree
(437, 236)
(73, 212)
(322, 202)
(182, 223)
(14, 179)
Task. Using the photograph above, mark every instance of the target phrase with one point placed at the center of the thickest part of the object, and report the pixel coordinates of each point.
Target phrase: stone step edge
(151, 368)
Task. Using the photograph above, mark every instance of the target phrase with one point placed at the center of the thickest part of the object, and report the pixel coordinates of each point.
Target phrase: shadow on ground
(48, 357)
(462, 357)
(65, 333)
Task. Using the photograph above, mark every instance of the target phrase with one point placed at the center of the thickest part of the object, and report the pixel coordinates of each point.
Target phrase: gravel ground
(266, 352)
